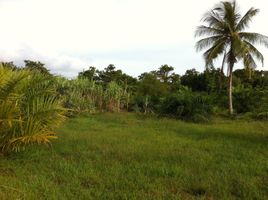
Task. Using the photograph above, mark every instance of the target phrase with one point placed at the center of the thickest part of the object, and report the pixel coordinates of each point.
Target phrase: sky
(134, 35)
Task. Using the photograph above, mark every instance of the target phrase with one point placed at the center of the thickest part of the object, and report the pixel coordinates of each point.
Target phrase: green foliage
(29, 109)
(250, 100)
(84, 95)
(262, 116)
(112, 97)
(89, 74)
(194, 80)
(36, 67)
(109, 74)
(150, 85)
(164, 73)
(9, 65)
(162, 91)
(80, 95)
(187, 105)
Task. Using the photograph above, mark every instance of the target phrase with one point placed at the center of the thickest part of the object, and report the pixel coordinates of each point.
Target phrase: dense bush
(250, 100)
(187, 105)
(145, 104)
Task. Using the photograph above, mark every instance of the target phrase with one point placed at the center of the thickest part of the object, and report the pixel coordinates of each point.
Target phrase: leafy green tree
(213, 80)
(194, 80)
(256, 79)
(175, 81)
(109, 74)
(260, 79)
(164, 73)
(150, 91)
(90, 74)
(226, 37)
(9, 65)
(37, 67)
(149, 84)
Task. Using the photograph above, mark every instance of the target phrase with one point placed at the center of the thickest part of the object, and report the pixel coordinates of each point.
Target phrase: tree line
(192, 96)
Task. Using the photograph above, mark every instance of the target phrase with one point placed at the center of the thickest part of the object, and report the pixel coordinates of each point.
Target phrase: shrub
(145, 104)
(262, 116)
(30, 109)
(187, 105)
(250, 100)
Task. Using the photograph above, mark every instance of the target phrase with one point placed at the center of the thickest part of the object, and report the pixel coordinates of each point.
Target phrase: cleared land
(126, 156)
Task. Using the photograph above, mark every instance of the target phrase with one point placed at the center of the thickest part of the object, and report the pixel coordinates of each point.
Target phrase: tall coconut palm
(226, 36)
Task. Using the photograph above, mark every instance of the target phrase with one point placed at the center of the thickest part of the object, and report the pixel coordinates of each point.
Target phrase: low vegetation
(129, 156)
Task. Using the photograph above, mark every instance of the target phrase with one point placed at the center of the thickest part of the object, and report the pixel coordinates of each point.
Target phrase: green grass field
(126, 156)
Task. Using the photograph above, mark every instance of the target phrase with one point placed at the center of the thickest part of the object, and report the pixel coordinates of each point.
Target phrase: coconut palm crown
(225, 36)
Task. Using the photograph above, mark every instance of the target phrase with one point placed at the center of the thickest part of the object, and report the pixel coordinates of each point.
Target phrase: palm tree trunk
(221, 72)
(230, 88)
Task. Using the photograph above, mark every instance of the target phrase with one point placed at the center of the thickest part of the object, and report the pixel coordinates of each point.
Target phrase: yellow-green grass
(127, 156)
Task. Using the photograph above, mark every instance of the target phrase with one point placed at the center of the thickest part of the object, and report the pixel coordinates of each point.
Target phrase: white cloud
(58, 32)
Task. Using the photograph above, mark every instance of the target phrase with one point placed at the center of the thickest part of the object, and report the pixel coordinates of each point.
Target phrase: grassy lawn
(125, 156)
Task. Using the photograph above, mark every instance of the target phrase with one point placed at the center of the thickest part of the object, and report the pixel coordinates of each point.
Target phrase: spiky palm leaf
(29, 109)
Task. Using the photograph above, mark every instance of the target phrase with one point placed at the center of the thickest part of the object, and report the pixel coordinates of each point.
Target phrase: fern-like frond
(207, 42)
(246, 19)
(10, 83)
(254, 38)
(211, 54)
(30, 109)
(19, 143)
(255, 52)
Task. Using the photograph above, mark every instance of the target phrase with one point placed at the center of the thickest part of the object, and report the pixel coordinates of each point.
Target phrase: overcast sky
(134, 35)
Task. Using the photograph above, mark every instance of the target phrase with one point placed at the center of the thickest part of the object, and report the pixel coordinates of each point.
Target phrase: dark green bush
(262, 116)
(187, 105)
(250, 100)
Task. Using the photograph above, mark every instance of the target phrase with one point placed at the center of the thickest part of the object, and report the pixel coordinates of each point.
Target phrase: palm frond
(47, 109)
(207, 31)
(255, 52)
(213, 19)
(254, 38)
(19, 143)
(206, 42)
(212, 53)
(30, 109)
(249, 61)
(9, 113)
(10, 81)
(231, 15)
(246, 19)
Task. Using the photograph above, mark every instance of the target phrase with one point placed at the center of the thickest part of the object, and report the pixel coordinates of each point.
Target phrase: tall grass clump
(112, 96)
(30, 109)
(82, 95)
